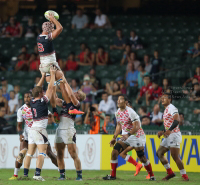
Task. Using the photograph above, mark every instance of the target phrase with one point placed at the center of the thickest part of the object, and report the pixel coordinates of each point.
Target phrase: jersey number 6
(40, 47)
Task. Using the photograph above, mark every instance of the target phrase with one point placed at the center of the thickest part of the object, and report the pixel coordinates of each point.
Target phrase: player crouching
(132, 135)
(66, 133)
(172, 138)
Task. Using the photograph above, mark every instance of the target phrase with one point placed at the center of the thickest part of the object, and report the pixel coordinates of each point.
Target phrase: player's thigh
(119, 147)
(72, 150)
(24, 145)
(60, 148)
(42, 148)
(31, 149)
(161, 151)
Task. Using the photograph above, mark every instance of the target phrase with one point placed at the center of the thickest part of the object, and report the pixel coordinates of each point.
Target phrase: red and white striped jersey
(126, 118)
(169, 112)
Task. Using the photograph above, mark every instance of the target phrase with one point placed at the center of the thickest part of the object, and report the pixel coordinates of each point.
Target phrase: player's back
(46, 49)
(67, 120)
(39, 110)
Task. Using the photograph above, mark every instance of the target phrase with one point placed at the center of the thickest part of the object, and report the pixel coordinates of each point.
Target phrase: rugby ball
(56, 16)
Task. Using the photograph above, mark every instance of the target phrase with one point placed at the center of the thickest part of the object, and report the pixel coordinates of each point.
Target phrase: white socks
(167, 166)
(182, 172)
(127, 157)
(16, 171)
(147, 163)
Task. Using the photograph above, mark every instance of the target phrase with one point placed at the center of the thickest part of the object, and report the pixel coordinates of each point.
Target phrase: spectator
(126, 54)
(144, 118)
(12, 104)
(14, 29)
(31, 29)
(119, 42)
(156, 116)
(80, 20)
(109, 123)
(101, 20)
(132, 77)
(3, 101)
(24, 50)
(96, 120)
(94, 80)
(120, 81)
(88, 58)
(5, 128)
(2, 29)
(4, 83)
(80, 57)
(135, 41)
(154, 93)
(197, 76)
(114, 91)
(156, 63)
(5, 94)
(87, 88)
(143, 91)
(148, 65)
(102, 57)
(141, 75)
(36, 51)
(71, 64)
(195, 95)
(33, 62)
(60, 61)
(74, 85)
(22, 64)
(196, 111)
(133, 59)
(107, 105)
(18, 95)
(166, 84)
(194, 51)
(182, 121)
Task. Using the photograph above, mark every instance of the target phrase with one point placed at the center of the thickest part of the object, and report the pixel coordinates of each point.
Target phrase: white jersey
(126, 118)
(169, 112)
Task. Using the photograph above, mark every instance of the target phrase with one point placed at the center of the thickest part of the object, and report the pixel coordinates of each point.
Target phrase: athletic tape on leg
(29, 155)
(43, 154)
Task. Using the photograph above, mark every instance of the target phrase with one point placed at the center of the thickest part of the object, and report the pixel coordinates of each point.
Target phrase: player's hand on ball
(21, 138)
(51, 16)
(167, 133)
(160, 133)
(112, 142)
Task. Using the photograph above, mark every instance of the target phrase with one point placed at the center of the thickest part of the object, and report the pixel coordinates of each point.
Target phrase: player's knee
(159, 154)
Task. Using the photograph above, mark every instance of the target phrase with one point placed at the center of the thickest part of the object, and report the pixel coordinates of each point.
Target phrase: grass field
(95, 177)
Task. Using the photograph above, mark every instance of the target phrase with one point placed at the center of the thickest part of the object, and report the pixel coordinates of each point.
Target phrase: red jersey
(81, 56)
(155, 93)
(144, 89)
(102, 57)
(34, 65)
(13, 31)
(197, 77)
(169, 112)
(71, 65)
(21, 62)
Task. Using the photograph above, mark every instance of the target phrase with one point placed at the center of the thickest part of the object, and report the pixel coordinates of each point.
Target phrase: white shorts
(135, 142)
(45, 67)
(25, 133)
(67, 136)
(173, 140)
(38, 136)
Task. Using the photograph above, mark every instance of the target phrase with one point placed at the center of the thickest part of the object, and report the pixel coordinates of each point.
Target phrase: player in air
(37, 136)
(24, 113)
(47, 54)
(132, 135)
(172, 138)
(66, 133)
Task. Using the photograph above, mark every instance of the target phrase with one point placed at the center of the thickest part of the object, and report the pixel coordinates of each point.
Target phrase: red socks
(131, 160)
(169, 171)
(148, 168)
(113, 164)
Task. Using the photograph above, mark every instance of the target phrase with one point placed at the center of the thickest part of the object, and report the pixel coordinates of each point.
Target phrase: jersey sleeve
(133, 115)
(173, 110)
(19, 116)
(46, 99)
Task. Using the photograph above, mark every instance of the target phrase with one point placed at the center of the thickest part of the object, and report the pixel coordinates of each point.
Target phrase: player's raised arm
(58, 29)
(51, 84)
(41, 82)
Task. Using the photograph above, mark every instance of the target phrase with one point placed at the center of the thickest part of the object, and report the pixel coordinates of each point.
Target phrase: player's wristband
(20, 132)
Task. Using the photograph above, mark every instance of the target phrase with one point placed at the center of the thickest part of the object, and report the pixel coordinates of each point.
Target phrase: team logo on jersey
(90, 152)
(3, 150)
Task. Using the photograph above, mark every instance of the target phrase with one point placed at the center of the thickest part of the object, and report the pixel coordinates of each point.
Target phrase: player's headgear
(47, 27)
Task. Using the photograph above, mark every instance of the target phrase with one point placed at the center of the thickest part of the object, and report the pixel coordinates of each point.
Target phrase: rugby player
(172, 138)
(47, 53)
(25, 113)
(132, 135)
(37, 136)
(66, 133)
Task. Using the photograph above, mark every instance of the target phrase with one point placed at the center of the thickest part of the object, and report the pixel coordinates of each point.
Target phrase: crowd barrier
(94, 152)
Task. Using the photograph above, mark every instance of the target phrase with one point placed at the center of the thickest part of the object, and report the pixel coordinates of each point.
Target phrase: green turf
(95, 177)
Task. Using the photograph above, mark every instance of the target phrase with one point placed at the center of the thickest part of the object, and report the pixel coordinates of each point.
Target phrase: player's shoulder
(117, 111)
(22, 107)
(130, 110)
(171, 106)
